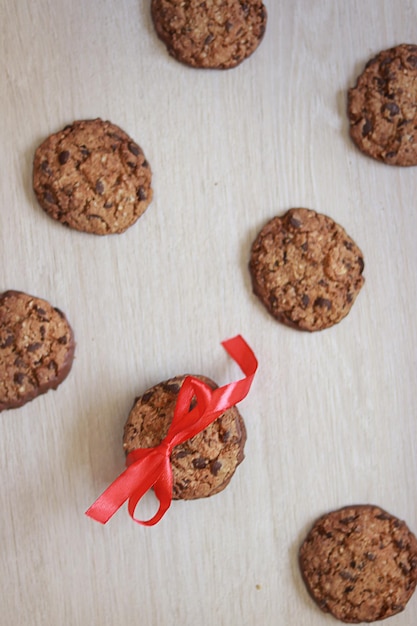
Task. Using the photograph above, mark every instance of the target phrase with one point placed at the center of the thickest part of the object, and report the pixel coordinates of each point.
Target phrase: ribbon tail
(138, 478)
(242, 353)
(163, 492)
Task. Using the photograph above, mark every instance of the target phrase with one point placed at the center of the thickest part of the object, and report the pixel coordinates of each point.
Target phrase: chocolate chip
(228, 26)
(181, 454)
(100, 187)
(172, 388)
(8, 341)
(383, 516)
(32, 347)
(134, 149)
(19, 378)
(108, 204)
(147, 396)
(392, 108)
(245, 8)
(208, 39)
(370, 556)
(387, 61)
(305, 300)
(325, 303)
(63, 340)
(294, 222)
(141, 194)
(225, 436)
(84, 151)
(199, 463)
(48, 197)
(63, 157)
(215, 467)
(45, 167)
(367, 128)
(412, 60)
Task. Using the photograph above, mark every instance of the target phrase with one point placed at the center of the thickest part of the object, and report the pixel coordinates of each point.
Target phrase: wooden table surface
(331, 417)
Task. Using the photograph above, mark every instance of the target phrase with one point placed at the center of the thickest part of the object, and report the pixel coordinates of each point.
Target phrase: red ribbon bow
(151, 467)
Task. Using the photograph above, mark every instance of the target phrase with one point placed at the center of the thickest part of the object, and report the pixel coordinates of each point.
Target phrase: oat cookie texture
(306, 270)
(211, 34)
(201, 466)
(359, 563)
(382, 107)
(92, 177)
(36, 348)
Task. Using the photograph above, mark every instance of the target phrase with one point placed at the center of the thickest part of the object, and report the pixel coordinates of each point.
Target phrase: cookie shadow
(300, 588)
(27, 181)
(245, 253)
(342, 102)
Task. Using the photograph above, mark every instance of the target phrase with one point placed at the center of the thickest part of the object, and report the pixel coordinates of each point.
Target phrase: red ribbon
(151, 467)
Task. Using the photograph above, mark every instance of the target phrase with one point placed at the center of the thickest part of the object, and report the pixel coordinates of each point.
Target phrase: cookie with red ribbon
(36, 348)
(171, 414)
(203, 465)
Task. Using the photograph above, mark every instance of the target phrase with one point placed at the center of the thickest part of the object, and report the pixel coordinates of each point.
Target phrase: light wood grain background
(331, 417)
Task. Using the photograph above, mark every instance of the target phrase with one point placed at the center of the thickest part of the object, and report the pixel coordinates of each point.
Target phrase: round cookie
(212, 34)
(92, 177)
(36, 348)
(382, 107)
(306, 270)
(203, 465)
(359, 563)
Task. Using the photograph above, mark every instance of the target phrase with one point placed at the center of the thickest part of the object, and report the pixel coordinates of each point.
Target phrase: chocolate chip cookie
(382, 107)
(215, 34)
(359, 563)
(36, 348)
(306, 270)
(201, 466)
(92, 177)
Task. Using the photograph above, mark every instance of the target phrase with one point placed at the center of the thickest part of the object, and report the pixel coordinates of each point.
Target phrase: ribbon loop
(151, 467)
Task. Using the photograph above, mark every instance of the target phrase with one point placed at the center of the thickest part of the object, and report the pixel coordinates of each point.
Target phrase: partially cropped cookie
(91, 176)
(210, 34)
(382, 107)
(201, 466)
(36, 348)
(306, 270)
(359, 563)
